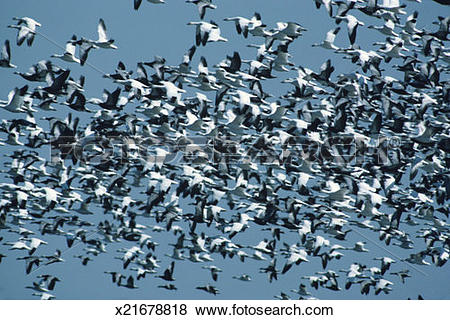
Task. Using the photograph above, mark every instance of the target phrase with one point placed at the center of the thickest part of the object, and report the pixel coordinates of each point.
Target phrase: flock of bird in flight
(248, 160)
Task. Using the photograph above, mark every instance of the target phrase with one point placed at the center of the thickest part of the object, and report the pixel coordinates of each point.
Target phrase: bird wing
(101, 29)
(137, 4)
(6, 51)
(331, 35)
(70, 48)
(22, 35)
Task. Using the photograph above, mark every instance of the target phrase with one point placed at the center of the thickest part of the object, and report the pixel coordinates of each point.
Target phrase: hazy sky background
(163, 30)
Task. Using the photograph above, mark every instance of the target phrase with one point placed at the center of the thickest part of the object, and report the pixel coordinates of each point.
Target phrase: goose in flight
(209, 288)
(206, 32)
(202, 5)
(49, 280)
(383, 285)
(214, 271)
(328, 43)
(130, 283)
(168, 273)
(358, 247)
(291, 30)
(403, 274)
(16, 100)
(44, 295)
(243, 277)
(242, 25)
(168, 286)
(111, 100)
(18, 245)
(5, 57)
(296, 256)
(103, 40)
(393, 50)
(352, 26)
(385, 263)
(37, 287)
(34, 244)
(69, 53)
(26, 30)
(386, 29)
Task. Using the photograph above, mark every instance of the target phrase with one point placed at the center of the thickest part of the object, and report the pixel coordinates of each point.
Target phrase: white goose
(16, 100)
(202, 5)
(328, 43)
(69, 53)
(103, 40)
(206, 32)
(352, 25)
(27, 30)
(242, 25)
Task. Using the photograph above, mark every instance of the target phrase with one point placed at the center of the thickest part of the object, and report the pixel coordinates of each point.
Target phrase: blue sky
(162, 30)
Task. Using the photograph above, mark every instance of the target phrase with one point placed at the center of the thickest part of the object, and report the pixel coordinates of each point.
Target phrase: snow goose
(206, 32)
(328, 43)
(386, 29)
(242, 25)
(242, 277)
(26, 30)
(16, 100)
(209, 288)
(202, 5)
(352, 25)
(103, 40)
(69, 53)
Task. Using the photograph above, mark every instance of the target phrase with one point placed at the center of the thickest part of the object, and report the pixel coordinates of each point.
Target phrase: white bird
(243, 277)
(242, 25)
(393, 50)
(18, 245)
(44, 295)
(291, 29)
(214, 271)
(387, 28)
(358, 247)
(352, 26)
(206, 32)
(296, 257)
(173, 93)
(16, 100)
(383, 285)
(27, 29)
(202, 5)
(69, 53)
(35, 243)
(328, 43)
(103, 40)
